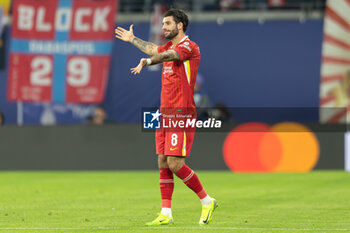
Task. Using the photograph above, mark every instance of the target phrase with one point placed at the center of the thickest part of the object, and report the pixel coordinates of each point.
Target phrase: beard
(172, 34)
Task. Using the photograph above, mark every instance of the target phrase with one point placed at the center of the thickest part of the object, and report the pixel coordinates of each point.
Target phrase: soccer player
(180, 57)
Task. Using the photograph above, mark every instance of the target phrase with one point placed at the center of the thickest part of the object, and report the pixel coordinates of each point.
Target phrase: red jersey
(179, 77)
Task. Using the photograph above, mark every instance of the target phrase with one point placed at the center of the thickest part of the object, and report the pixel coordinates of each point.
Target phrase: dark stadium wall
(8, 108)
(122, 147)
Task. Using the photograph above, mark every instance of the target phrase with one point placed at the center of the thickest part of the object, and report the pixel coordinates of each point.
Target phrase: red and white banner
(60, 50)
(335, 69)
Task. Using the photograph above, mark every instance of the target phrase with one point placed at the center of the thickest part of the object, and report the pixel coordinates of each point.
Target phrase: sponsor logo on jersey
(168, 70)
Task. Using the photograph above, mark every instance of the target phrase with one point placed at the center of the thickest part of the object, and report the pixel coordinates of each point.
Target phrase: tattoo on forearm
(170, 55)
(146, 47)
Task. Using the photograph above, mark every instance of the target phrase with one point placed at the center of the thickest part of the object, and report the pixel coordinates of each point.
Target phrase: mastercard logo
(258, 147)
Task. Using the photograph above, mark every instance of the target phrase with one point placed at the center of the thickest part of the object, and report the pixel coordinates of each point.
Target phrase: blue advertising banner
(52, 114)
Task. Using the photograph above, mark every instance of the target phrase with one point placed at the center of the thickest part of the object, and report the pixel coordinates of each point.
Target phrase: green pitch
(124, 201)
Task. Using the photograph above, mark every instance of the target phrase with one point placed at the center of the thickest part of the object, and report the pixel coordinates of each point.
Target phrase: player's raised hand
(125, 35)
(138, 68)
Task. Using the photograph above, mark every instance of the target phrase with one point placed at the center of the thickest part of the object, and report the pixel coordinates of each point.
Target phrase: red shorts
(174, 143)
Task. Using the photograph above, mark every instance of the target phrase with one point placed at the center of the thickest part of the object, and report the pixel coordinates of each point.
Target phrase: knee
(173, 167)
(175, 164)
(162, 161)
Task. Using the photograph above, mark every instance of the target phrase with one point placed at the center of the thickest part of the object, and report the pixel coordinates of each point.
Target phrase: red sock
(166, 183)
(189, 177)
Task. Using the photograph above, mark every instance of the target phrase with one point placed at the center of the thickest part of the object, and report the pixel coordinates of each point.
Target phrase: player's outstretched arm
(128, 36)
(170, 55)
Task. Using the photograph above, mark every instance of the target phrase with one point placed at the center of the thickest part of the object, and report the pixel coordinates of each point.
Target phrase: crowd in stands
(221, 5)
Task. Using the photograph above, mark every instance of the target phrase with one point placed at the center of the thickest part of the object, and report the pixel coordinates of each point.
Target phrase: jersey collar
(183, 39)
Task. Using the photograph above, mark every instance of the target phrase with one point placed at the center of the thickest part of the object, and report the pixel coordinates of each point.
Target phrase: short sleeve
(163, 48)
(185, 51)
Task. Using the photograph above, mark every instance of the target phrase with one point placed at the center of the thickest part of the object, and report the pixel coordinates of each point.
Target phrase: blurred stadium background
(277, 68)
(276, 72)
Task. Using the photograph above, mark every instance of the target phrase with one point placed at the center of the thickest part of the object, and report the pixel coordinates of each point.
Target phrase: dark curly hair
(179, 16)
